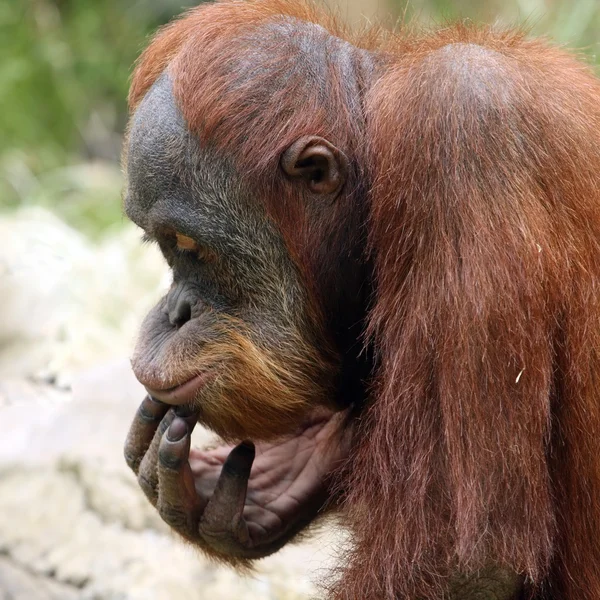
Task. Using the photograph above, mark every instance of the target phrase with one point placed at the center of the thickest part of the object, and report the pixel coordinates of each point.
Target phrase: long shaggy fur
(477, 155)
(483, 436)
(259, 393)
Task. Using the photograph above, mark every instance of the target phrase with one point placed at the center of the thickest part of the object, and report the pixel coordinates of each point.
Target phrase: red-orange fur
(484, 438)
(482, 441)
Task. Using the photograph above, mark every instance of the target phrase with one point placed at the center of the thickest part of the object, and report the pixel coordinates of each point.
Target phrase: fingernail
(244, 451)
(177, 430)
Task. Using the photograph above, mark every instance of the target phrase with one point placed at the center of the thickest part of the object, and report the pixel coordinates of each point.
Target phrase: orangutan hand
(236, 503)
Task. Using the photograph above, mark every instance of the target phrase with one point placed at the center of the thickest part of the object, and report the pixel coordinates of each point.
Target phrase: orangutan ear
(317, 162)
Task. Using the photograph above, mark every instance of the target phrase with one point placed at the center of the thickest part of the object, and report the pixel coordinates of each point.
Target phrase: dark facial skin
(235, 344)
(232, 275)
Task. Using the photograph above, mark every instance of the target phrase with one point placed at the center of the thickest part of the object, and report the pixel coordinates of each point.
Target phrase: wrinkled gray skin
(172, 183)
(221, 500)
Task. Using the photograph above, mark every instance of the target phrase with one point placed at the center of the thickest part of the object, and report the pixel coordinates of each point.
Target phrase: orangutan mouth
(185, 392)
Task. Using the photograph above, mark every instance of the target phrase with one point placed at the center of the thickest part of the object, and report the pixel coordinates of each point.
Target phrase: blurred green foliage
(575, 23)
(64, 76)
(63, 85)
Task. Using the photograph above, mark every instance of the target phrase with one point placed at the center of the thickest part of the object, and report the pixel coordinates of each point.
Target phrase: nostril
(181, 313)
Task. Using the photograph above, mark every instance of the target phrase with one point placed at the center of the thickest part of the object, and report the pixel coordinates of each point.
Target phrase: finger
(178, 503)
(147, 418)
(148, 471)
(223, 518)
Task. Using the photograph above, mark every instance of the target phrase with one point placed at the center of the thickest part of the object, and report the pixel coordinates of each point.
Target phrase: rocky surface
(73, 524)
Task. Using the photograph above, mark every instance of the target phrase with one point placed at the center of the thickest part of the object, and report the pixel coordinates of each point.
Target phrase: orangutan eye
(187, 244)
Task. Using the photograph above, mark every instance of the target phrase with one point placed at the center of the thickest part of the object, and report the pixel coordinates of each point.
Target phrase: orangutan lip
(184, 392)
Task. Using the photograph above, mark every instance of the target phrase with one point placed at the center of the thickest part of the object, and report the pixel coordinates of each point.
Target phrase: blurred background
(75, 282)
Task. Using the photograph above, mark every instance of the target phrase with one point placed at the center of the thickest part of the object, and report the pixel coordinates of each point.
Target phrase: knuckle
(148, 486)
(146, 417)
(132, 458)
(164, 424)
(218, 538)
(221, 541)
(217, 529)
(151, 411)
(175, 518)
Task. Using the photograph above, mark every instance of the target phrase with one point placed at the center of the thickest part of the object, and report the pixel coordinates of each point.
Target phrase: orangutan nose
(179, 306)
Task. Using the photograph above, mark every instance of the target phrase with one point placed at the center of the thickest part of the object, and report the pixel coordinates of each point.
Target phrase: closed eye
(182, 243)
(187, 244)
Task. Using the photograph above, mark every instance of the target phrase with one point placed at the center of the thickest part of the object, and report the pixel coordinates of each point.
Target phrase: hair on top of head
(236, 65)
(240, 67)
(209, 22)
